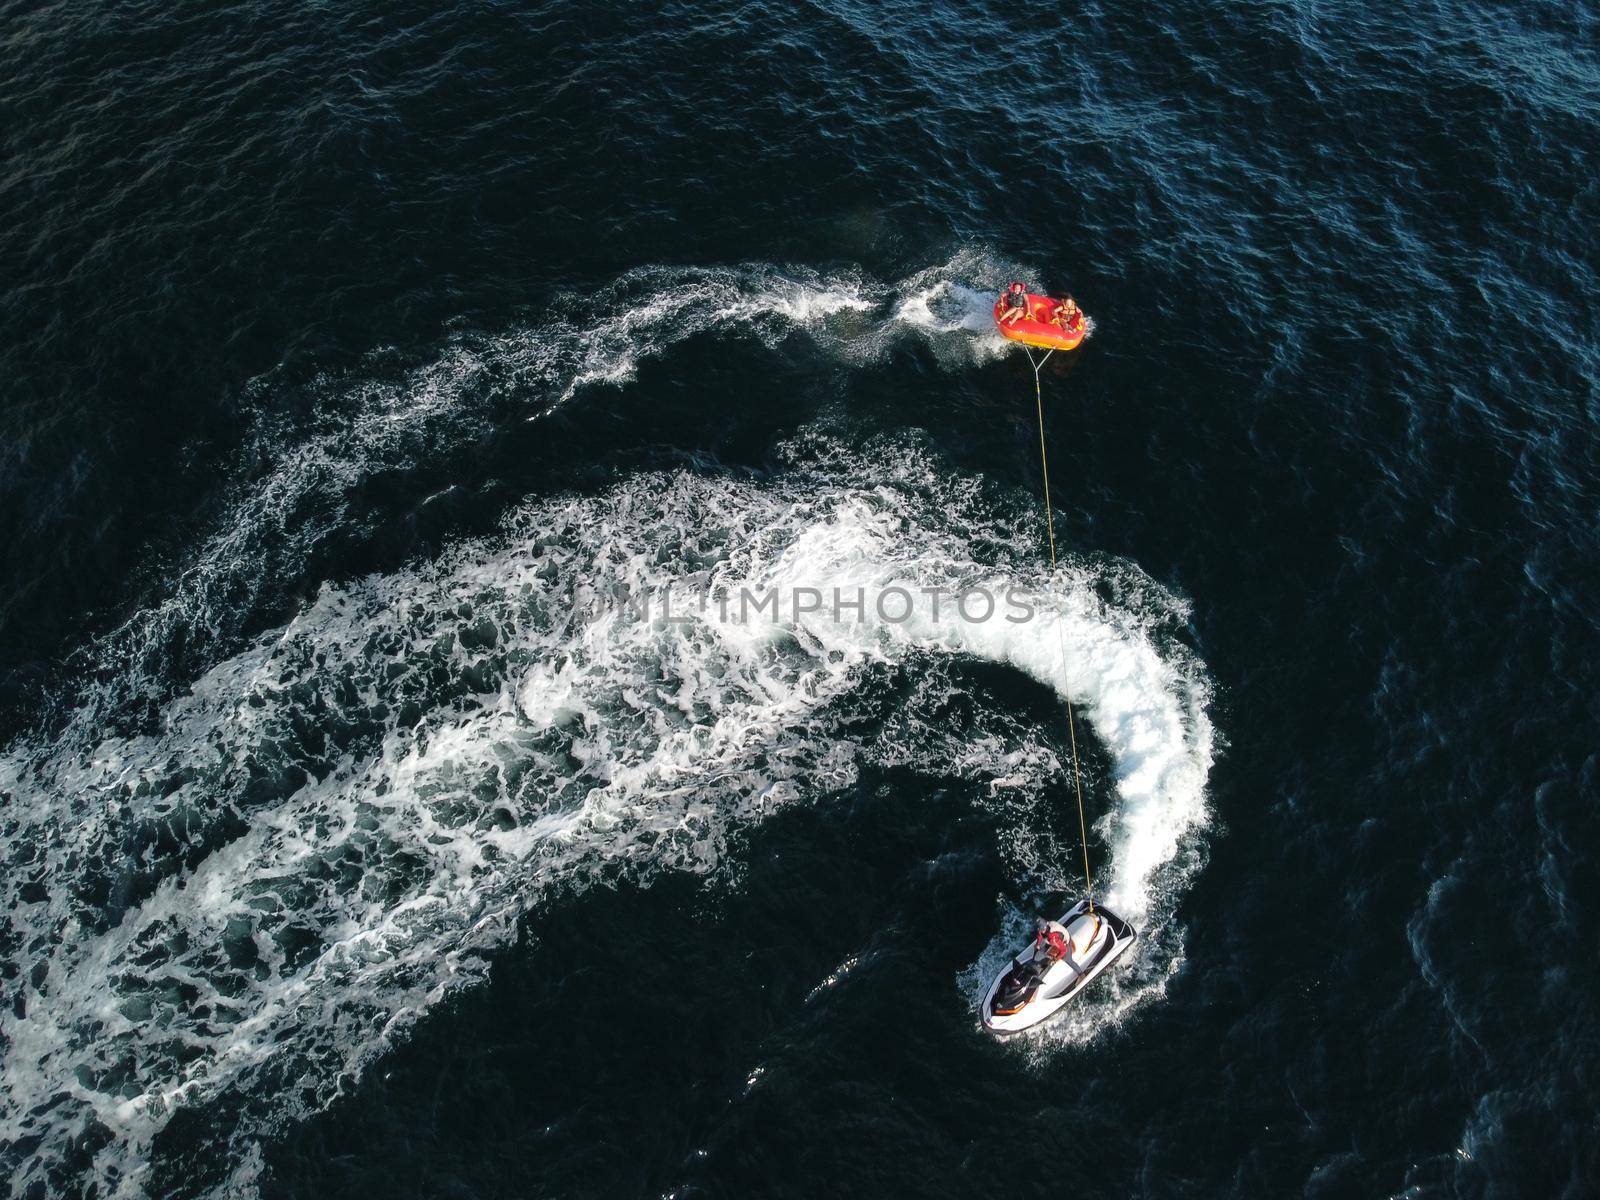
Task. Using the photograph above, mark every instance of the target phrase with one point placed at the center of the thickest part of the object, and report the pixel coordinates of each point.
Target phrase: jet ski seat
(1082, 932)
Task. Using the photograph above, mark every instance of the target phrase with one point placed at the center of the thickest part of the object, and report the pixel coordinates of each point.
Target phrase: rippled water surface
(359, 837)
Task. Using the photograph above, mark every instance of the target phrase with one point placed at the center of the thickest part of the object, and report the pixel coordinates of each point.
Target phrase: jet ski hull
(1060, 984)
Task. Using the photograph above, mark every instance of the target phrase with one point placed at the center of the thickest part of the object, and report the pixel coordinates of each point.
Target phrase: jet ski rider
(1051, 941)
(1015, 299)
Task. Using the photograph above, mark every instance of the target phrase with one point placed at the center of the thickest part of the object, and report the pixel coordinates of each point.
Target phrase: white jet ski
(1034, 986)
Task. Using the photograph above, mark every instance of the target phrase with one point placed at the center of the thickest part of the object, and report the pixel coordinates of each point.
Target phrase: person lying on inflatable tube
(1066, 313)
(1015, 301)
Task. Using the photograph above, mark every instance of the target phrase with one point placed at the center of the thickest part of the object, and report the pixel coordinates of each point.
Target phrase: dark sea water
(355, 358)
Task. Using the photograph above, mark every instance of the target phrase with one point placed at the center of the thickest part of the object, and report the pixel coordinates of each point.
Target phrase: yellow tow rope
(1050, 528)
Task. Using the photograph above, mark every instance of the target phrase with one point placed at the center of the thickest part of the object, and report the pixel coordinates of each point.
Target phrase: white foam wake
(331, 828)
(297, 483)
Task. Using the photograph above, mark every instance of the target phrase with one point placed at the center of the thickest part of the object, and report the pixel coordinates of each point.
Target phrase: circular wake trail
(243, 902)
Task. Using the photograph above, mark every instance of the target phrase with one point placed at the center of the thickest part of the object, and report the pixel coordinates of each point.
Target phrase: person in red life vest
(1051, 941)
(1066, 313)
(1015, 300)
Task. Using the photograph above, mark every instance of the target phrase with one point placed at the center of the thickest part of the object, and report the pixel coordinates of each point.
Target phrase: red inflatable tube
(1036, 328)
